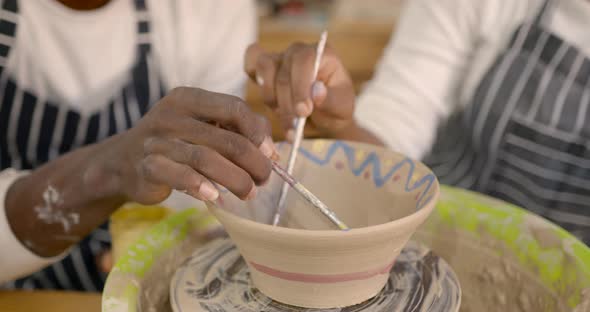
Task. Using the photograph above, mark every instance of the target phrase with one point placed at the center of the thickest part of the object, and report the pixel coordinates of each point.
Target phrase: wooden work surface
(48, 301)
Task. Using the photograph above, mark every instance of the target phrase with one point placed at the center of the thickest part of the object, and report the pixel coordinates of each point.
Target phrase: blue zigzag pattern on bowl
(373, 160)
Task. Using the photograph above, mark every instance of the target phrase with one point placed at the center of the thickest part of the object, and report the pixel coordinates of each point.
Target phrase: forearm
(61, 202)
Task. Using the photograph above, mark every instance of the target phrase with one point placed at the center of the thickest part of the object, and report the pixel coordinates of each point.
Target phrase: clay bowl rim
(248, 224)
(415, 216)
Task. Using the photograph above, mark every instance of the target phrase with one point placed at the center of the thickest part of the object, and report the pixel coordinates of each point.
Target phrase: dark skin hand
(188, 139)
(84, 5)
(287, 88)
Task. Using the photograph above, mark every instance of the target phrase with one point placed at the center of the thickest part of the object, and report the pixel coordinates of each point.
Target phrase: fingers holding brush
(291, 88)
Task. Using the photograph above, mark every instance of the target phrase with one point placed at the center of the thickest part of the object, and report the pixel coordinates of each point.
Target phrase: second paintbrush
(308, 196)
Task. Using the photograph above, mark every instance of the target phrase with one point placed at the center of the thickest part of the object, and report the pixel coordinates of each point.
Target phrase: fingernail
(259, 80)
(302, 109)
(208, 191)
(252, 193)
(275, 152)
(290, 135)
(267, 147)
(275, 156)
(318, 89)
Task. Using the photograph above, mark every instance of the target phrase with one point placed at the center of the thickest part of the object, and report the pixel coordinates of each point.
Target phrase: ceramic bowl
(382, 195)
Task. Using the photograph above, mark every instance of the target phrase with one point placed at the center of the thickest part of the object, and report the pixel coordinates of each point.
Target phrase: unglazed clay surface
(307, 262)
(216, 278)
(490, 277)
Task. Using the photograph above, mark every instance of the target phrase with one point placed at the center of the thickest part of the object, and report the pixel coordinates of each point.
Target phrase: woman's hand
(287, 87)
(191, 138)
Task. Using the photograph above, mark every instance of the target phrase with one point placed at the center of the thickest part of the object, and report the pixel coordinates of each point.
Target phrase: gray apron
(525, 136)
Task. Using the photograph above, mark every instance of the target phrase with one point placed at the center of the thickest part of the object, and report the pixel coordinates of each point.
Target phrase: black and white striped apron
(525, 137)
(34, 130)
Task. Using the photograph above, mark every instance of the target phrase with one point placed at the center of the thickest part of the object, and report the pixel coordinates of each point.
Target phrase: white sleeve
(417, 81)
(229, 31)
(15, 259)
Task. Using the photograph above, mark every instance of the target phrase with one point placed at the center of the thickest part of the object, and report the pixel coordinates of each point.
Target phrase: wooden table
(48, 301)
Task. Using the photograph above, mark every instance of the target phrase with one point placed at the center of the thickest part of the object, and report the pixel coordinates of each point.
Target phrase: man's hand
(191, 138)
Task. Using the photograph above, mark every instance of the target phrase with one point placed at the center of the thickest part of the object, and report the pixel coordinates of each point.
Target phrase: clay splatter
(51, 214)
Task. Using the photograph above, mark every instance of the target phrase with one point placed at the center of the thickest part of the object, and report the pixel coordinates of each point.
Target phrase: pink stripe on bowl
(321, 278)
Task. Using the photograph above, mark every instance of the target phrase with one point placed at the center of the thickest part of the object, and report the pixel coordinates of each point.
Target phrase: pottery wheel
(216, 278)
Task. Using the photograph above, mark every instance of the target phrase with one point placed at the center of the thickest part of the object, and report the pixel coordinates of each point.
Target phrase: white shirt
(80, 58)
(437, 57)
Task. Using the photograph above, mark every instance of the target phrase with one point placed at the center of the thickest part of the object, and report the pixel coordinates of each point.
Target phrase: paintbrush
(308, 196)
(299, 126)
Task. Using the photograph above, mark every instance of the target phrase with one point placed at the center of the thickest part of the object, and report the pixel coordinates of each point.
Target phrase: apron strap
(143, 28)
(545, 13)
(8, 21)
(10, 6)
